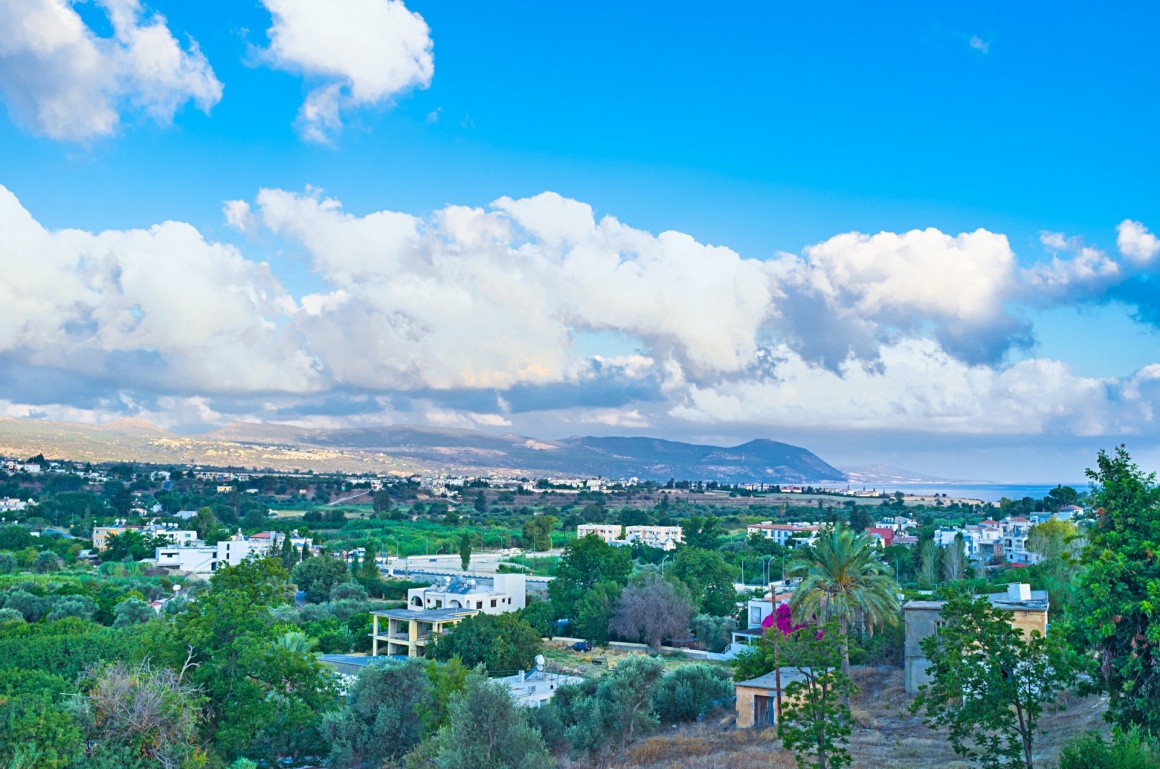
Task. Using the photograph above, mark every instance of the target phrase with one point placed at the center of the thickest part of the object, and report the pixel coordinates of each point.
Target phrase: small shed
(757, 698)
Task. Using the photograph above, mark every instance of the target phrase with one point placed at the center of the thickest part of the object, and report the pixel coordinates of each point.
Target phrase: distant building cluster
(1006, 540)
(663, 537)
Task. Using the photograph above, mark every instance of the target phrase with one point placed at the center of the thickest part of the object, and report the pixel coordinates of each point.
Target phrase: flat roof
(769, 680)
(427, 615)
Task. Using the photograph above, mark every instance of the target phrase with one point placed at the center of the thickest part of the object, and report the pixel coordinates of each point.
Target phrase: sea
(987, 492)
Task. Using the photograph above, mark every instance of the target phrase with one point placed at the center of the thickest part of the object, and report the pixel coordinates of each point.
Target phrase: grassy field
(886, 737)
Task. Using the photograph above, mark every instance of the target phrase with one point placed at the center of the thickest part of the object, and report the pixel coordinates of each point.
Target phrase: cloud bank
(476, 317)
(61, 80)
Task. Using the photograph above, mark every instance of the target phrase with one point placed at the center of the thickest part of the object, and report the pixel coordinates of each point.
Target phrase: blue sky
(769, 129)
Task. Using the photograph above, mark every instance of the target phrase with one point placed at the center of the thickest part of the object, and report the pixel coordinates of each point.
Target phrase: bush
(73, 606)
(1126, 750)
(47, 561)
(10, 615)
(132, 611)
(348, 591)
(7, 563)
(715, 633)
(691, 691)
(318, 576)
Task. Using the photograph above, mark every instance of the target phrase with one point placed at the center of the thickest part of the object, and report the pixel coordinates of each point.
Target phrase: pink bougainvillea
(783, 619)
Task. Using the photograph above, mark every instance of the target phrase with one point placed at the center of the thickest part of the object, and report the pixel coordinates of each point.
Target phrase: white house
(508, 594)
(197, 557)
(782, 533)
(535, 687)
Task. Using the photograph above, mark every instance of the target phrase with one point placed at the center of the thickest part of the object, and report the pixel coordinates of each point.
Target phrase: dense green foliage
(815, 718)
(1132, 749)
(503, 643)
(989, 683)
(1119, 604)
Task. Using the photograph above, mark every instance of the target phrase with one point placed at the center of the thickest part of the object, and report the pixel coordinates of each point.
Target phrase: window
(493, 603)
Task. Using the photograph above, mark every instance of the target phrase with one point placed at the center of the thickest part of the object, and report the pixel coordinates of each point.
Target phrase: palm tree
(294, 641)
(844, 579)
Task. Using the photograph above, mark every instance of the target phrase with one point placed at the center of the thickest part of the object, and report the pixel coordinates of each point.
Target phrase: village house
(783, 533)
(536, 687)
(922, 619)
(663, 537)
(433, 610)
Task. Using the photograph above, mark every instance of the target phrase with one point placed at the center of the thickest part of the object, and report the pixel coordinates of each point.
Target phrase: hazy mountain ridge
(404, 449)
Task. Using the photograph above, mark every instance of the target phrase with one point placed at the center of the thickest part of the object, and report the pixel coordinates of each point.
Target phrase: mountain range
(402, 449)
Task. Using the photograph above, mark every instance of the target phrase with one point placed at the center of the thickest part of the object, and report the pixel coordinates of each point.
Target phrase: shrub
(715, 633)
(691, 691)
(7, 563)
(132, 611)
(1126, 750)
(10, 615)
(73, 606)
(47, 561)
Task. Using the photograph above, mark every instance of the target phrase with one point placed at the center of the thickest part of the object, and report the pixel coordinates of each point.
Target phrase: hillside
(402, 449)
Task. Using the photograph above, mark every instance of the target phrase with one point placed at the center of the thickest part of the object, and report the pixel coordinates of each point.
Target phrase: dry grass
(885, 736)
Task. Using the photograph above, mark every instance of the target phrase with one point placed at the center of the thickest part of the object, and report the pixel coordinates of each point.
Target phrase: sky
(922, 235)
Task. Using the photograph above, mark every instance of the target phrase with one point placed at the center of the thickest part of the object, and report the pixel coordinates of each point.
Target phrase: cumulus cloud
(979, 44)
(539, 309)
(853, 291)
(61, 80)
(160, 306)
(476, 297)
(920, 387)
(1136, 243)
(356, 53)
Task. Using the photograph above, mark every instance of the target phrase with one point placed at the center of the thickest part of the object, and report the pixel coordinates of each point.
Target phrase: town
(550, 585)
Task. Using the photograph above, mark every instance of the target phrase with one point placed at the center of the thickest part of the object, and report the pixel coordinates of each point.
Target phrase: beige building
(757, 698)
(923, 618)
(433, 610)
(101, 534)
(407, 632)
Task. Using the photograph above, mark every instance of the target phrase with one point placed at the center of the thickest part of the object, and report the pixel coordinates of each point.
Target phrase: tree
(955, 560)
(13, 537)
(46, 561)
(150, 711)
(1061, 496)
(465, 550)
(207, 522)
(370, 566)
(1120, 588)
(608, 711)
(928, 570)
(860, 518)
(1053, 539)
(586, 561)
(988, 683)
(537, 532)
(262, 699)
(703, 532)
(503, 643)
(595, 610)
(692, 691)
(318, 576)
(381, 501)
(132, 611)
(7, 563)
(131, 545)
(845, 580)
(289, 554)
(73, 606)
(487, 731)
(541, 615)
(815, 718)
(709, 579)
(651, 609)
(379, 721)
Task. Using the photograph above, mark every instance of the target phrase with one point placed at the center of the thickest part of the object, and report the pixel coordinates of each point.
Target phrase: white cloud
(189, 314)
(478, 317)
(478, 298)
(921, 388)
(979, 44)
(1136, 243)
(62, 80)
(359, 52)
(854, 290)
